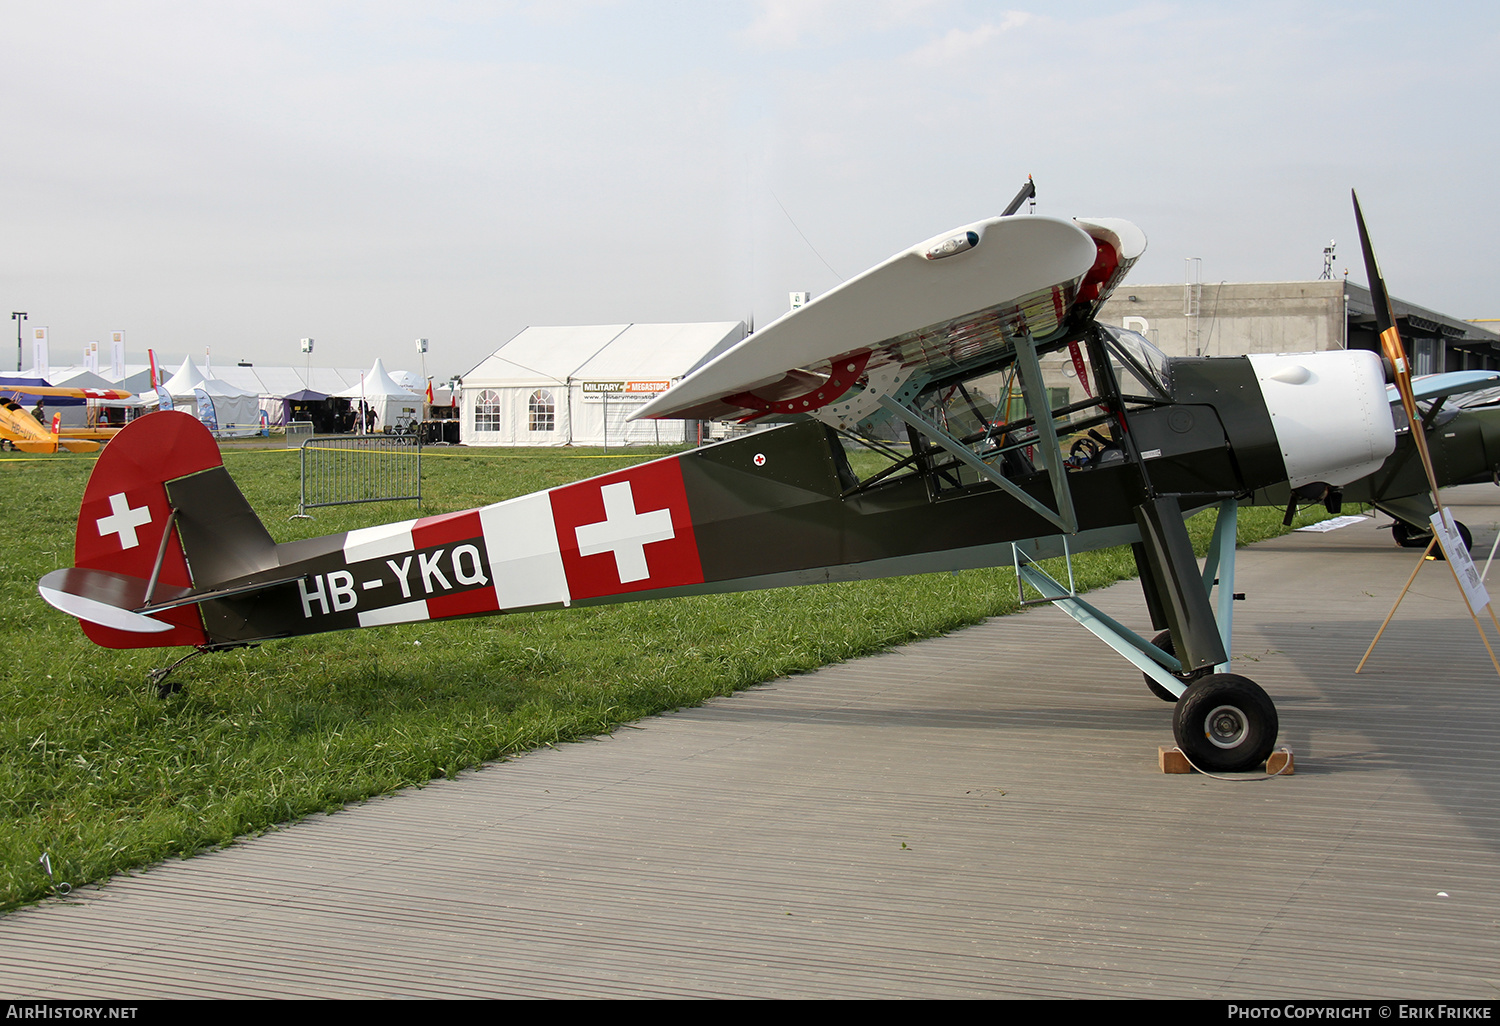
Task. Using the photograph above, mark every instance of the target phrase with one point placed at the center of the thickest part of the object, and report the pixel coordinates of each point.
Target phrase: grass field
(104, 776)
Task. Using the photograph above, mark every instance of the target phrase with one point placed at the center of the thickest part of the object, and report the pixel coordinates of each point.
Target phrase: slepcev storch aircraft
(942, 343)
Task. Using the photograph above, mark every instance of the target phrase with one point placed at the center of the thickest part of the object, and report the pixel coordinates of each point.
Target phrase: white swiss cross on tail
(123, 520)
(625, 532)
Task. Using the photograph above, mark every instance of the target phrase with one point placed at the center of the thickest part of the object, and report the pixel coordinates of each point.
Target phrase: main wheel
(1464, 535)
(1409, 537)
(1163, 641)
(1225, 723)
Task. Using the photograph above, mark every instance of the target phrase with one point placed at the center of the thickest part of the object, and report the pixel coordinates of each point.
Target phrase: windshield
(1144, 365)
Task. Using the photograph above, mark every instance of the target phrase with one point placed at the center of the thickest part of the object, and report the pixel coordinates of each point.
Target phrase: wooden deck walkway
(977, 816)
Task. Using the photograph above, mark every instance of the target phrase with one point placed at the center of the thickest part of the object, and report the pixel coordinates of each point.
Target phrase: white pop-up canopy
(391, 402)
(270, 383)
(187, 378)
(236, 411)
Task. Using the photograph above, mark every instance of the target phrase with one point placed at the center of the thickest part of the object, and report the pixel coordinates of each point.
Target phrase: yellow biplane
(20, 430)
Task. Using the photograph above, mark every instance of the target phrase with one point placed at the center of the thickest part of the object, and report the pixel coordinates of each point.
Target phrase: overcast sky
(238, 176)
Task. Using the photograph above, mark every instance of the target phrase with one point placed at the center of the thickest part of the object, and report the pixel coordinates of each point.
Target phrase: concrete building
(1235, 318)
(1238, 318)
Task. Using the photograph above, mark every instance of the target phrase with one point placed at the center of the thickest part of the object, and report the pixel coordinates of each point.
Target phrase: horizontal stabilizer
(51, 446)
(119, 600)
(105, 598)
(193, 598)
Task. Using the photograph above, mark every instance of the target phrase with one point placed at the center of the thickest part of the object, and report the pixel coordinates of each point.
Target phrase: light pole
(18, 316)
(422, 349)
(307, 347)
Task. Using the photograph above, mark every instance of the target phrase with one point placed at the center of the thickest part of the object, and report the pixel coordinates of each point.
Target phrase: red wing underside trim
(843, 374)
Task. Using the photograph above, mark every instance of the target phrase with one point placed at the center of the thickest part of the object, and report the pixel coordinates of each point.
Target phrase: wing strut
(1035, 394)
(1064, 516)
(1067, 521)
(1160, 666)
(1150, 660)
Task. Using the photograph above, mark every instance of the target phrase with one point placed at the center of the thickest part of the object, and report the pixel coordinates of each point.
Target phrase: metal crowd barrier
(342, 469)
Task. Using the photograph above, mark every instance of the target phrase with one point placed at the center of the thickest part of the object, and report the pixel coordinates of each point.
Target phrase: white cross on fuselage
(625, 532)
(123, 520)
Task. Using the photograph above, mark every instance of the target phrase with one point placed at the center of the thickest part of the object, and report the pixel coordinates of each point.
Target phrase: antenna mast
(1328, 258)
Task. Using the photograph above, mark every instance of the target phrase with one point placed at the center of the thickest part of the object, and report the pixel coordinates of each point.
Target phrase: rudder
(125, 512)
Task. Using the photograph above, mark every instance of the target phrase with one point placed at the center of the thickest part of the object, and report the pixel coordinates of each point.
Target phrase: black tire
(1163, 641)
(1225, 723)
(1409, 537)
(1463, 533)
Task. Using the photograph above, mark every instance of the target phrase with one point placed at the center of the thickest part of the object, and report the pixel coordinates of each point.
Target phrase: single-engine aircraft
(945, 343)
(20, 430)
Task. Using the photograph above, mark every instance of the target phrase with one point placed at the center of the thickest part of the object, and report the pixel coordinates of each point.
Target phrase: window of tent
(541, 410)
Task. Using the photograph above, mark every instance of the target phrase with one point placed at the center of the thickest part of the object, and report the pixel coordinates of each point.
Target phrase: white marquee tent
(577, 385)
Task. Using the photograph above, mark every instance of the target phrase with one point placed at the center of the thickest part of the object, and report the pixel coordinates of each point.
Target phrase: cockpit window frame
(1149, 366)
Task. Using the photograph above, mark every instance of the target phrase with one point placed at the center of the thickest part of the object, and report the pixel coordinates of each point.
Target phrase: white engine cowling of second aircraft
(1330, 412)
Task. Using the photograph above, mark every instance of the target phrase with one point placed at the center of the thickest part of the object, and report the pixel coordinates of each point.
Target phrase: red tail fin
(125, 512)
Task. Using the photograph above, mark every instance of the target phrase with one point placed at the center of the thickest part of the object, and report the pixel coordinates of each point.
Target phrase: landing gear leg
(1163, 641)
(1156, 659)
(1222, 721)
